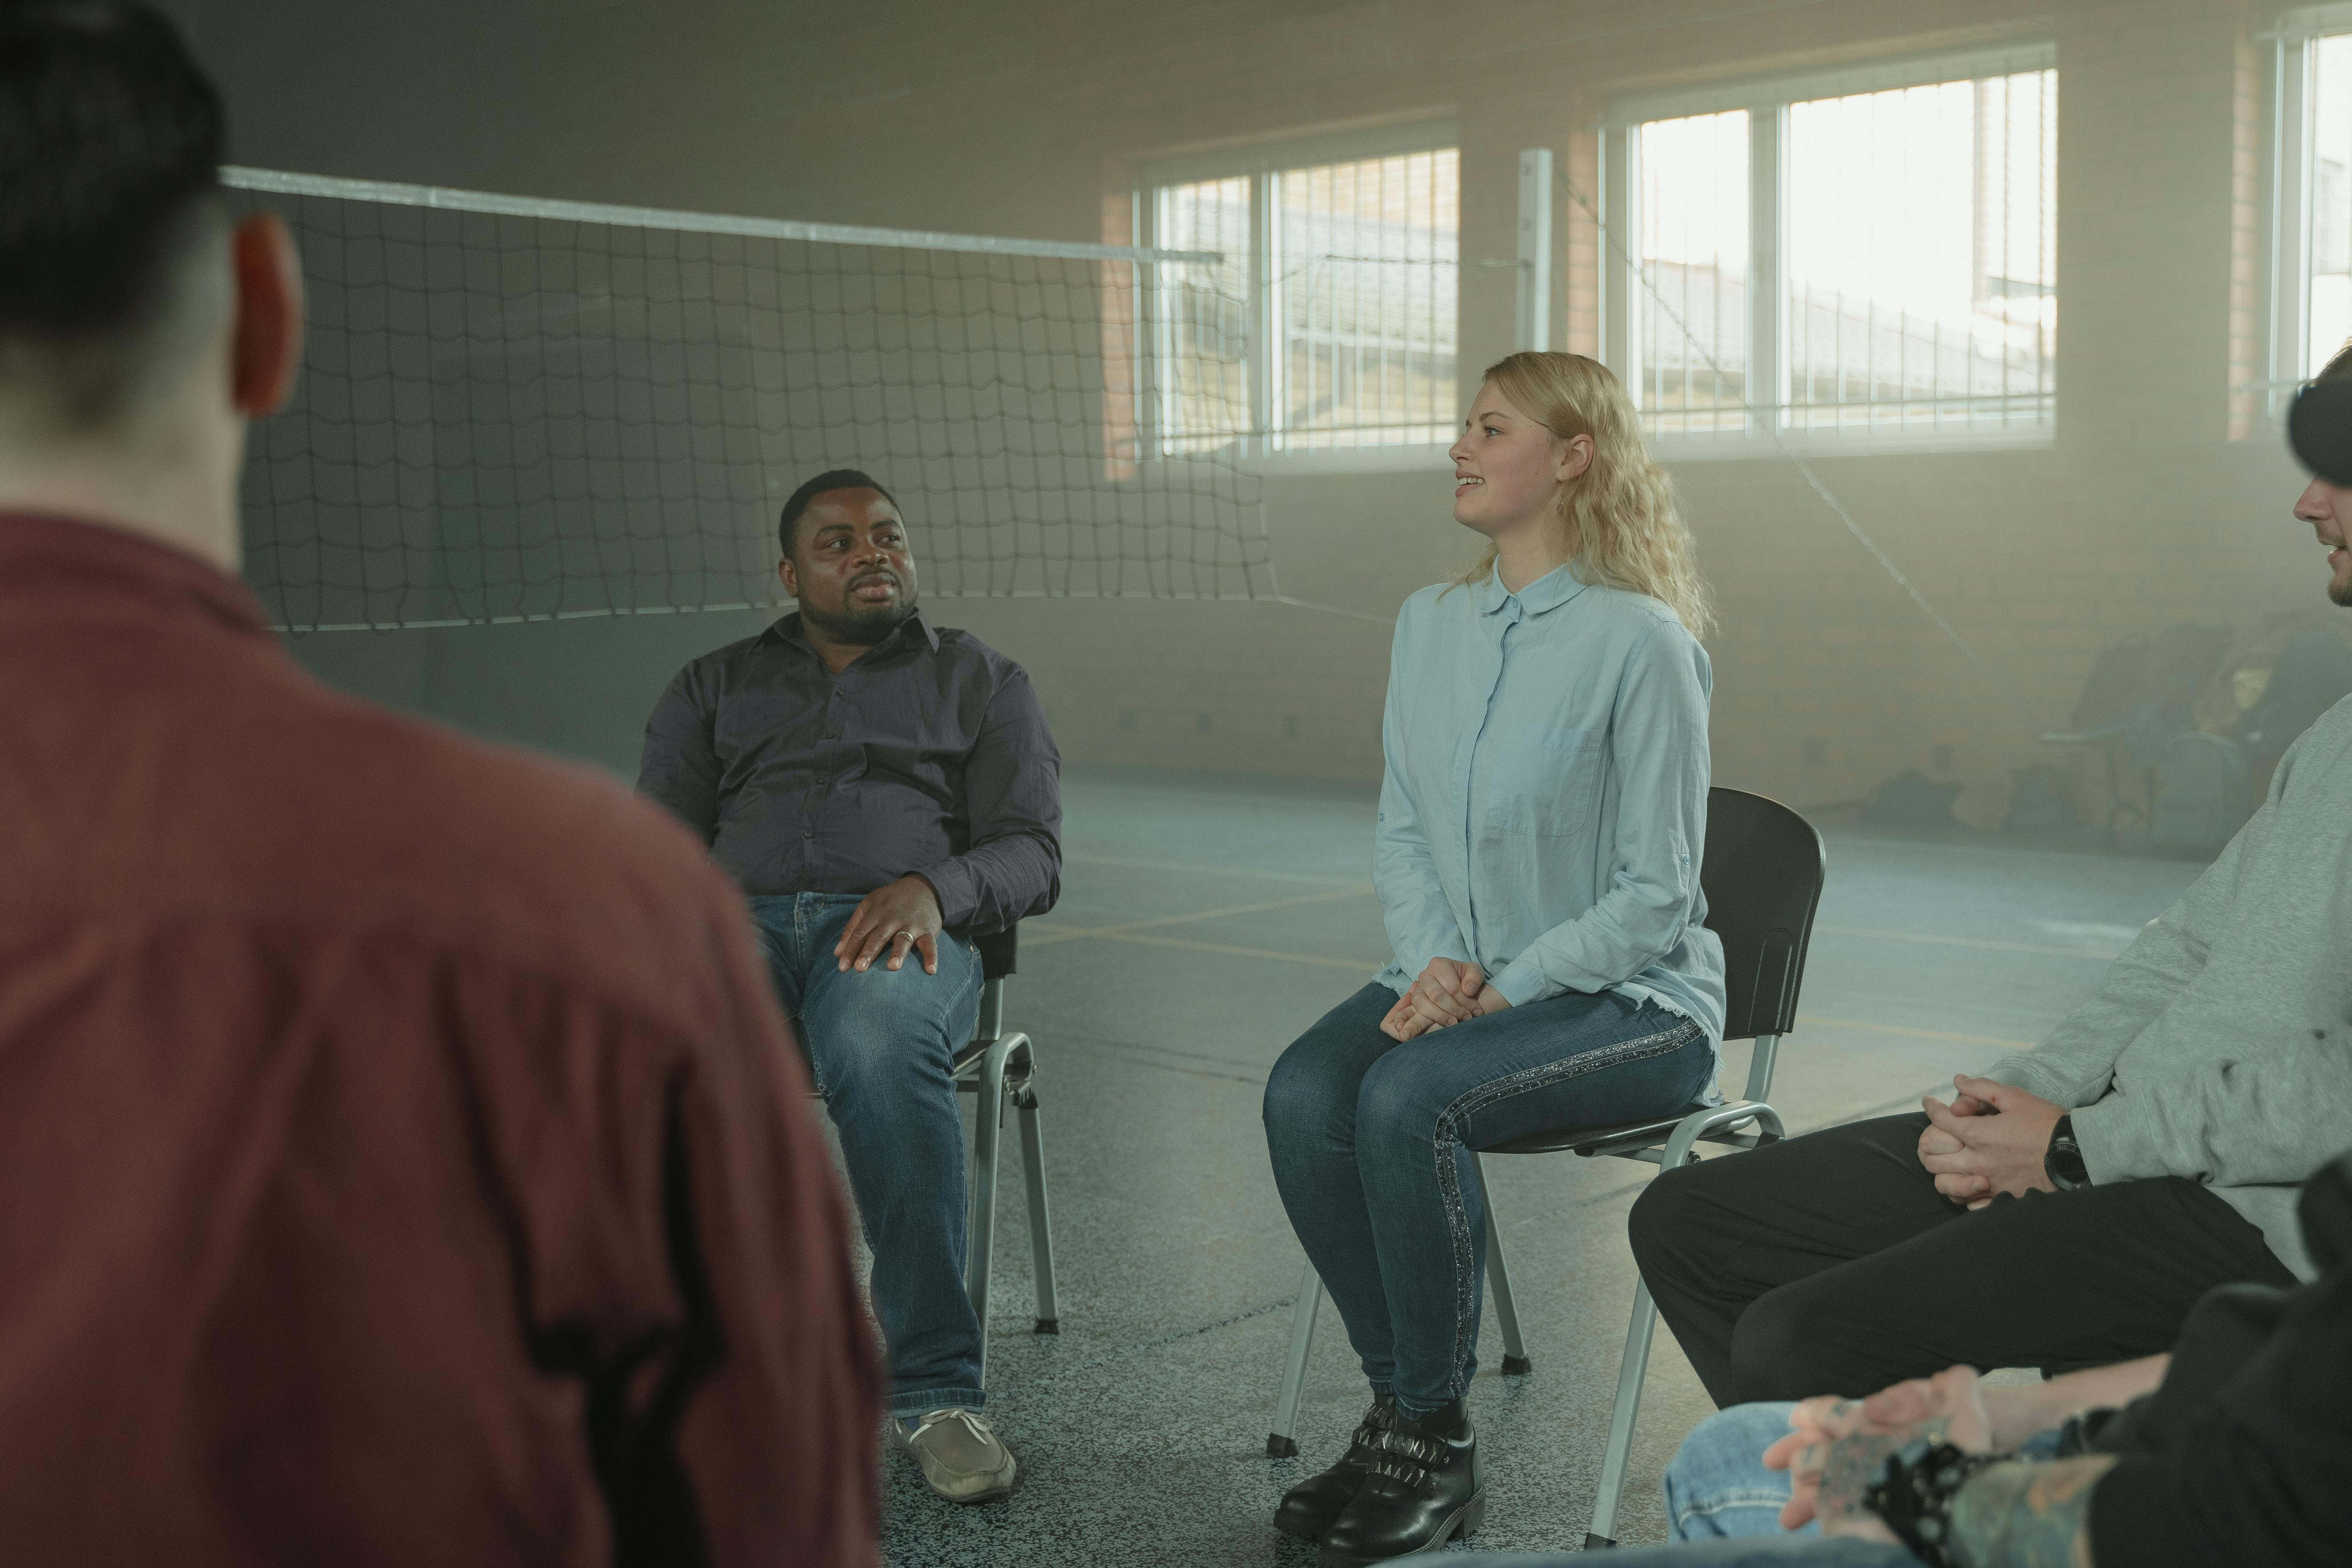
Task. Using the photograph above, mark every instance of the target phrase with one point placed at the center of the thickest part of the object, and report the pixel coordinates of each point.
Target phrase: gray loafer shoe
(963, 1457)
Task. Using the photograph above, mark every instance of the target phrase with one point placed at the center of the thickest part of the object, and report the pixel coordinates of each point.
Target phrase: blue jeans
(880, 1046)
(1370, 1145)
(1718, 1485)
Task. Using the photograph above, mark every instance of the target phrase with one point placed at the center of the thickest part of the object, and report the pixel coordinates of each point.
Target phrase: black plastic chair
(1762, 872)
(998, 1068)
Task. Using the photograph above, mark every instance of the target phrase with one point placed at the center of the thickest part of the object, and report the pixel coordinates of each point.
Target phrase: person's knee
(1298, 1097)
(887, 1032)
(1395, 1116)
(1716, 1484)
(1777, 1346)
(1661, 1218)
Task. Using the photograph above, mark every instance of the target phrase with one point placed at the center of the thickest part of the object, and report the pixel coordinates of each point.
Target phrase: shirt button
(808, 833)
(833, 734)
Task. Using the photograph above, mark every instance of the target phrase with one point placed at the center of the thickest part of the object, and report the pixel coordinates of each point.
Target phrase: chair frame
(998, 1068)
(1667, 1143)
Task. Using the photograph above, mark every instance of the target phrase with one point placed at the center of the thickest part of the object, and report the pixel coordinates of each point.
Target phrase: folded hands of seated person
(1837, 1448)
(1990, 1139)
(1449, 992)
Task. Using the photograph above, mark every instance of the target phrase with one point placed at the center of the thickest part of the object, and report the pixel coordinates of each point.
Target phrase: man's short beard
(860, 628)
(2342, 595)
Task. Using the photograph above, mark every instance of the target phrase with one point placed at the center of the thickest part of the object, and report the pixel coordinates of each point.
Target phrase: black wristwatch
(2064, 1164)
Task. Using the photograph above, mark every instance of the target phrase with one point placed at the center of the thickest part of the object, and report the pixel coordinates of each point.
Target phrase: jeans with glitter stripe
(1370, 1142)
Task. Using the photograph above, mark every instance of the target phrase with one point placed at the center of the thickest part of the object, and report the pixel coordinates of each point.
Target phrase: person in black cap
(2066, 1208)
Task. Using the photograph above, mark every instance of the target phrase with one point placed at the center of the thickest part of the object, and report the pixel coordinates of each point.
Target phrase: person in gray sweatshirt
(2066, 1209)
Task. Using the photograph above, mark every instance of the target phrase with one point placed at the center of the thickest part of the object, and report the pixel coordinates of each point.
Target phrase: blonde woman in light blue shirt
(1537, 863)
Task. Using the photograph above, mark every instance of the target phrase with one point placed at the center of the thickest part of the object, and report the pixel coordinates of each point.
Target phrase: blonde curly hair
(1624, 529)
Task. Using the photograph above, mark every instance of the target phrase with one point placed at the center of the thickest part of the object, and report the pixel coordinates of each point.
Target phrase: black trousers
(1829, 1264)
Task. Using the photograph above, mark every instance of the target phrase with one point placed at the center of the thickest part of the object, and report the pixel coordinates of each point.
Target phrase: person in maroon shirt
(405, 1159)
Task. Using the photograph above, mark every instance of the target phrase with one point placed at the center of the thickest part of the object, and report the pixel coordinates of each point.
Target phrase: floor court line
(1985, 943)
(1125, 864)
(1152, 940)
(2104, 955)
(1369, 967)
(1053, 933)
(1913, 1034)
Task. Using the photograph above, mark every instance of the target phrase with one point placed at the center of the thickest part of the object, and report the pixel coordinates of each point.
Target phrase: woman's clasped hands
(1450, 991)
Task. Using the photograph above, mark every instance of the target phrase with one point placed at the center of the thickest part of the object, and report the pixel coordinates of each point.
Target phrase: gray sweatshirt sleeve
(2074, 1065)
(2267, 1113)
(2265, 1106)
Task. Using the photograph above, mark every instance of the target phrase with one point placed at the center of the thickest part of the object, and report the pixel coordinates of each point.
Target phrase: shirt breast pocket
(1545, 781)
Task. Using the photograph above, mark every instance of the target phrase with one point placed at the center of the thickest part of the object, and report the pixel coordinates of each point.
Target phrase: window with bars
(2311, 290)
(1328, 320)
(1870, 253)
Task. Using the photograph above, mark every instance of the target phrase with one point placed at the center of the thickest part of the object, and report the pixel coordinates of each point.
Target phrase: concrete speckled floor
(1204, 923)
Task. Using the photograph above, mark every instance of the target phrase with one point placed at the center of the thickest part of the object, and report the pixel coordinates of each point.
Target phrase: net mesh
(513, 418)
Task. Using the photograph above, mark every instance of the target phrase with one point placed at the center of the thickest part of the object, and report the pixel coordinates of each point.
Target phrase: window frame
(2289, 177)
(1767, 100)
(1262, 445)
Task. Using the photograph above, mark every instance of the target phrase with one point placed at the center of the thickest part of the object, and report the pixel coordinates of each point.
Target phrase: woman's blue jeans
(1718, 1485)
(881, 1045)
(1370, 1143)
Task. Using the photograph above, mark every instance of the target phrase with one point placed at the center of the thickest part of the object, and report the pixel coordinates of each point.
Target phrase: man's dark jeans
(1829, 1264)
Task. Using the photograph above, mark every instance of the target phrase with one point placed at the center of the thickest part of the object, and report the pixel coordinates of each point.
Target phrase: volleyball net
(515, 409)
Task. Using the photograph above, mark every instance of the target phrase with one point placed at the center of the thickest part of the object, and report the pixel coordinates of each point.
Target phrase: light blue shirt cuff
(1522, 983)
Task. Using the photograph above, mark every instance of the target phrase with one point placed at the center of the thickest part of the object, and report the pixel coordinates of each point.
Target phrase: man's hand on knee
(1991, 1138)
(901, 915)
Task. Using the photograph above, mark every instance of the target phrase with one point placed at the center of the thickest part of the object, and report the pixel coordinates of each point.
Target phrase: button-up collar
(789, 630)
(1548, 591)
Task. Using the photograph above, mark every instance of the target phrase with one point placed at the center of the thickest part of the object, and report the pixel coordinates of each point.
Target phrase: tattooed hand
(2028, 1516)
(1837, 1448)
(1853, 1464)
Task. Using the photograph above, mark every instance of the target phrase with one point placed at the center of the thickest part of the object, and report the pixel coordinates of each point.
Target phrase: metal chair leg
(1283, 1441)
(1041, 1224)
(1638, 1335)
(1499, 1280)
(980, 1233)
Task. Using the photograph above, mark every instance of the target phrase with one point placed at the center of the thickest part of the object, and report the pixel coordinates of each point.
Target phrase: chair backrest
(1762, 874)
(997, 952)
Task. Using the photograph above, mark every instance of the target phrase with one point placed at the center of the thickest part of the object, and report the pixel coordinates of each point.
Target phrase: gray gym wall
(2162, 499)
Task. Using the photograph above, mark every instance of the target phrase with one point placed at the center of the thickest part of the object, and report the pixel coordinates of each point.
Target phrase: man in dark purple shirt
(881, 789)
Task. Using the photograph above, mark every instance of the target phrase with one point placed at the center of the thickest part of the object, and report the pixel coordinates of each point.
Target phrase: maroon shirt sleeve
(684, 1249)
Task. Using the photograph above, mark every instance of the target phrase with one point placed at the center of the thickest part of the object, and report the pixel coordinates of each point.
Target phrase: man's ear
(267, 348)
(792, 579)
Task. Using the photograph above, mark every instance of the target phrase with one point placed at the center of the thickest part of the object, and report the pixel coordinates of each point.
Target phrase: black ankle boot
(1420, 1491)
(1309, 1507)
